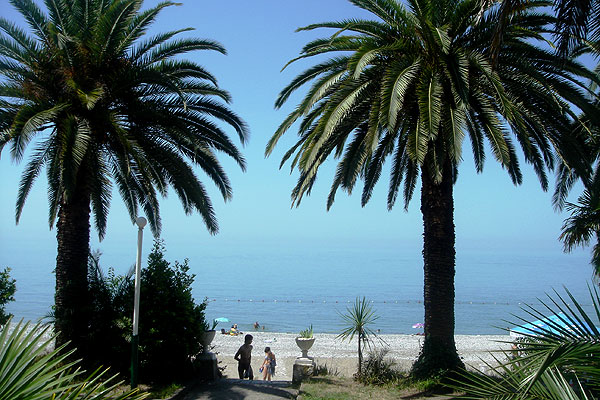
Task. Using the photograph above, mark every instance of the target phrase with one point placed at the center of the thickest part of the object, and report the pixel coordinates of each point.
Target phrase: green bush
(8, 288)
(170, 319)
(378, 370)
(110, 319)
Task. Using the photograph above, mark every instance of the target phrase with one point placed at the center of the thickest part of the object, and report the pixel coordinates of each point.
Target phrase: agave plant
(31, 370)
(558, 361)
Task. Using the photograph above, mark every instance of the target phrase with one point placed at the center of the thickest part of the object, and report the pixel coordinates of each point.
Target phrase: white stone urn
(206, 339)
(305, 344)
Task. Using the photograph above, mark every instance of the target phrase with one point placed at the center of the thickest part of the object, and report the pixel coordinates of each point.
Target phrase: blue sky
(490, 213)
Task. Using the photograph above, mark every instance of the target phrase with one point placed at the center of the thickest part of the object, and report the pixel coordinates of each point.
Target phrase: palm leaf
(30, 370)
(545, 357)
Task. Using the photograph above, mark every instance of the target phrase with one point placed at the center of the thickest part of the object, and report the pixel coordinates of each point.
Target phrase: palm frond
(30, 369)
(567, 347)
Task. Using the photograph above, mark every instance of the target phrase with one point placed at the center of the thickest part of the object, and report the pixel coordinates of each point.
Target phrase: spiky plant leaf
(560, 361)
(32, 369)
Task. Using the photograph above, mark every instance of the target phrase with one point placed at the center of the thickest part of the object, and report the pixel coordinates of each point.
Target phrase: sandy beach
(341, 356)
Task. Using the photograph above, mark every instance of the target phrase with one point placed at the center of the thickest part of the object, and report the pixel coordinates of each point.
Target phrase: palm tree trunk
(437, 206)
(71, 298)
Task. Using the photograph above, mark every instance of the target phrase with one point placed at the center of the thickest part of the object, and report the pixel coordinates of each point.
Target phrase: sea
(288, 290)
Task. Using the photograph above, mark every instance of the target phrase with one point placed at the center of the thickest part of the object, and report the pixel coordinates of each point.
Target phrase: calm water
(287, 290)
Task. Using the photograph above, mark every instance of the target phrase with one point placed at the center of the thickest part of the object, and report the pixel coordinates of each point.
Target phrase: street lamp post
(141, 223)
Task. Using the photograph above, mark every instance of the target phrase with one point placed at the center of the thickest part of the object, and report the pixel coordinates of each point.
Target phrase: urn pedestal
(304, 366)
(206, 339)
(206, 361)
(305, 344)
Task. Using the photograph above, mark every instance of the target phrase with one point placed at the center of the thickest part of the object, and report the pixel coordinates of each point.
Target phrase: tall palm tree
(107, 109)
(412, 85)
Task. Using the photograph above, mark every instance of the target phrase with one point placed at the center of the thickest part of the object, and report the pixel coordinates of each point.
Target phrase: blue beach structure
(557, 324)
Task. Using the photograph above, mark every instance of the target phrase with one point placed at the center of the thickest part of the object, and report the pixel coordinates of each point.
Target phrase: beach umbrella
(555, 324)
(222, 319)
(418, 325)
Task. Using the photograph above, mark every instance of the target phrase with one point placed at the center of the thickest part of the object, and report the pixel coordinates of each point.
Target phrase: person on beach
(268, 365)
(256, 325)
(234, 331)
(243, 357)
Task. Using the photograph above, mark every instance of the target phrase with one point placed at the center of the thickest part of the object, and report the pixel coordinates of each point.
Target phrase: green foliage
(357, 320)
(32, 370)
(417, 80)
(111, 317)
(307, 333)
(170, 320)
(433, 384)
(379, 370)
(582, 227)
(325, 370)
(341, 388)
(104, 104)
(8, 288)
(165, 392)
(206, 326)
(558, 363)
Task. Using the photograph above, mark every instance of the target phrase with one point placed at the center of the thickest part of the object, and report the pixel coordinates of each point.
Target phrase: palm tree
(357, 320)
(583, 226)
(576, 22)
(107, 109)
(411, 86)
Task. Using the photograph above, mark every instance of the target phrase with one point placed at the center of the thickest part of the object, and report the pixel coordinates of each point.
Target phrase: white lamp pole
(141, 223)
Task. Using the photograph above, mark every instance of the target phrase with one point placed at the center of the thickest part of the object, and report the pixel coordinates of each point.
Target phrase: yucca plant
(357, 320)
(30, 369)
(560, 361)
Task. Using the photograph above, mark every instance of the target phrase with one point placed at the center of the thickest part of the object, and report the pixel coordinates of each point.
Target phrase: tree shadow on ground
(236, 389)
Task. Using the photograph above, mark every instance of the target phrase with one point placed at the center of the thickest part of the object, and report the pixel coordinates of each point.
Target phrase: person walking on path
(268, 365)
(243, 357)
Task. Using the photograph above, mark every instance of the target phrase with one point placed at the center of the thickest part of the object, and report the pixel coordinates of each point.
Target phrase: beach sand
(341, 356)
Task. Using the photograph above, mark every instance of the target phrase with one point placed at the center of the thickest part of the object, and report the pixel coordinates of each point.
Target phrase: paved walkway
(236, 389)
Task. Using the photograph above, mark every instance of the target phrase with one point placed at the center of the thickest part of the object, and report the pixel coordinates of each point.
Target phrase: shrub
(170, 320)
(378, 370)
(8, 288)
(325, 370)
(110, 320)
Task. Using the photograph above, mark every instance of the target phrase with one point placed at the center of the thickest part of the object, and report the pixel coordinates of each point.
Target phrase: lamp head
(141, 222)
